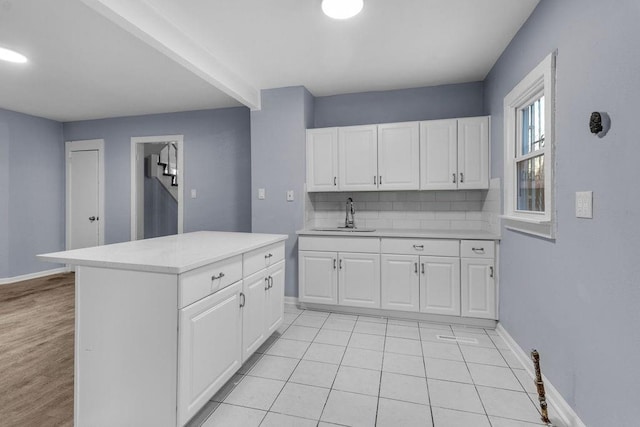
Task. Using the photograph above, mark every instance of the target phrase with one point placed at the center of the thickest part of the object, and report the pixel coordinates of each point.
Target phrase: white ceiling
(147, 56)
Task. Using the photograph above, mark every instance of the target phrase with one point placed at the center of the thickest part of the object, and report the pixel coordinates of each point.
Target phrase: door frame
(135, 141)
(84, 145)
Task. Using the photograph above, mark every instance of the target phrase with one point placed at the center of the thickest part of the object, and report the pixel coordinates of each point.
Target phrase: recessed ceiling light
(342, 9)
(11, 56)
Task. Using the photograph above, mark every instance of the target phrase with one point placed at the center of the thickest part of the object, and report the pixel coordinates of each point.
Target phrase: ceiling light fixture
(342, 9)
(11, 56)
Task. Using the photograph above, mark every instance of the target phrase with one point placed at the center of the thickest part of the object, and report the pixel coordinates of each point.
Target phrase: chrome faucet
(350, 223)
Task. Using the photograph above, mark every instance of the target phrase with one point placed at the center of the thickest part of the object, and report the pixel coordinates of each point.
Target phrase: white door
(358, 158)
(478, 288)
(400, 282)
(473, 153)
(359, 280)
(318, 278)
(275, 297)
(322, 159)
(399, 156)
(438, 155)
(253, 313)
(209, 351)
(440, 285)
(84, 198)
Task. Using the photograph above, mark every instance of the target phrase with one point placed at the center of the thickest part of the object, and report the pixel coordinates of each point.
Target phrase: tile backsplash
(433, 210)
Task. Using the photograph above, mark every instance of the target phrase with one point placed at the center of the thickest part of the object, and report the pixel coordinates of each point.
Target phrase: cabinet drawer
(432, 247)
(259, 259)
(339, 244)
(477, 249)
(197, 284)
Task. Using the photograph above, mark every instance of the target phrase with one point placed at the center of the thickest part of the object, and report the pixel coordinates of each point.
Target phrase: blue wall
(424, 103)
(160, 210)
(577, 299)
(278, 165)
(32, 197)
(217, 163)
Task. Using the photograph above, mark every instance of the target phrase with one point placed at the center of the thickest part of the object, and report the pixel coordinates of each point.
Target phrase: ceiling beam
(146, 23)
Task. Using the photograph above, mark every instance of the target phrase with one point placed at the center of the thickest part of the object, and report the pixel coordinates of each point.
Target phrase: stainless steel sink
(345, 229)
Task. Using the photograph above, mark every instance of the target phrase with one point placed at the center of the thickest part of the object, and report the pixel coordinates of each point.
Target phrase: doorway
(84, 193)
(157, 171)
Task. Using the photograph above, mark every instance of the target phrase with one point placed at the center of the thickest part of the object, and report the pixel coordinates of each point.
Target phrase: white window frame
(539, 82)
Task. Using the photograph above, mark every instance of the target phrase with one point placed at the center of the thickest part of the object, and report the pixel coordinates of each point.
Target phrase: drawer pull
(491, 272)
(243, 299)
(219, 276)
(418, 247)
(478, 250)
(268, 256)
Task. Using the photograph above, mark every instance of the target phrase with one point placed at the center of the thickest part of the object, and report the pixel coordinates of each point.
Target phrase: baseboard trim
(291, 300)
(566, 413)
(11, 280)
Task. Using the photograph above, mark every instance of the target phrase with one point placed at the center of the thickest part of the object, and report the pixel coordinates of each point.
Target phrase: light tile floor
(328, 369)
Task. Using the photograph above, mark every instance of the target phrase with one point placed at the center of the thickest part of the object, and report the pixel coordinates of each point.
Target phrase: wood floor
(36, 352)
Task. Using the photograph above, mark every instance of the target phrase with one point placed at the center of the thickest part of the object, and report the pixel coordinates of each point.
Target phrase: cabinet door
(253, 313)
(318, 278)
(359, 280)
(473, 153)
(438, 155)
(209, 348)
(358, 158)
(478, 288)
(322, 159)
(440, 285)
(399, 156)
(400, 282)
(275, 297)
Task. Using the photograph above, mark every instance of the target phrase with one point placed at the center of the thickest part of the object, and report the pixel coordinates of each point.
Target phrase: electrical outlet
(584, 204)
(194, 194)
(290, 196)
(261, 194)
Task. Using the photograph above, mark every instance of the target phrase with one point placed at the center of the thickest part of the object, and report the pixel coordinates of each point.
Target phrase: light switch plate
(261, 194)
(290, 196)
(194, 193)
(584, 204)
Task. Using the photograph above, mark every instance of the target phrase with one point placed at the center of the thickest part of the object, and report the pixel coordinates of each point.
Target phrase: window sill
(545, 229)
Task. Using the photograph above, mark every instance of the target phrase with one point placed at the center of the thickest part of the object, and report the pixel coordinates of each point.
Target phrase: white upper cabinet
(439, 155)
(398, 156)
(322, 159)
(358, 158)
(454, 154)
(473, 153)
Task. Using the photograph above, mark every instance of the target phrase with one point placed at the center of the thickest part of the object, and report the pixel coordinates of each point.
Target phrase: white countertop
(426, 234)
(170, 254)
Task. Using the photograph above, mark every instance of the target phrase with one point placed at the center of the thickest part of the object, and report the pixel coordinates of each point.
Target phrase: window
(529, 144)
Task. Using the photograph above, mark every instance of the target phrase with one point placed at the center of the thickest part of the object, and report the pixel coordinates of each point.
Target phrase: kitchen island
(162, 324)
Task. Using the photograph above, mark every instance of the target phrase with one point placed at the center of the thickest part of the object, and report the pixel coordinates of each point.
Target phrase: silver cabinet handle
(454, 177)
(491, 272)
(243, 299)
(266, 283)
(418, 247)
(478, 250)
(422, 266)
(374, 180)
(461, 177)
(334, 263)
(219, 276)
(415, 267)
(335, 180)
(268, 256)
(92, 218)
(270, 282)
(340, 264)
(380, 180)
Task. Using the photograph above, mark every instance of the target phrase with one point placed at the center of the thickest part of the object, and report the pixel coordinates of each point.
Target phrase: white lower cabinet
(400, 282)
(478, 288)
(275, 297)
(318, 278)
(253, 322)
(359, 280)
(440, 285)
(205, 365)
